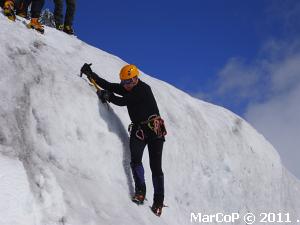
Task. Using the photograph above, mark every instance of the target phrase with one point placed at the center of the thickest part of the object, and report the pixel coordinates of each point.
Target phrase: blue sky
(183, 43)
(243, 55)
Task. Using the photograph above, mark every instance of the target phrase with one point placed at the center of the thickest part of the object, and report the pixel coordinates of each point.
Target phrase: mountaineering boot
(140, 193)
(157, 208)
(35, 24)
(59, 26)
(68, 29)
(138, 198)
(139, 180)
(8, 9)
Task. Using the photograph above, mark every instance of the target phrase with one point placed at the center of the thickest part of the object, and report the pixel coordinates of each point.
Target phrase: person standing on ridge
(67, 24)
(147, 128)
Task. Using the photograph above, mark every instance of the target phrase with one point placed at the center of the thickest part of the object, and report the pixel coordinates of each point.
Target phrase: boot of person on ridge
(9, 9)
(147, 128)
(64, 23)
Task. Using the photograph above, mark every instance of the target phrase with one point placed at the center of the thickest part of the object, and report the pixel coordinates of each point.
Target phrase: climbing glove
(104, 95)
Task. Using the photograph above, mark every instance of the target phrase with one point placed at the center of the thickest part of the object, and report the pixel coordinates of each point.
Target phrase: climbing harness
(155, 123)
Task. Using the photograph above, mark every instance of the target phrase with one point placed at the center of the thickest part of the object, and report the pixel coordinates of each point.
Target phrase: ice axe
(95, 85)
(92, 80)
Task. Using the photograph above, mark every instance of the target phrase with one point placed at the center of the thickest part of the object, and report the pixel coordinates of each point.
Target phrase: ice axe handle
(95, 84)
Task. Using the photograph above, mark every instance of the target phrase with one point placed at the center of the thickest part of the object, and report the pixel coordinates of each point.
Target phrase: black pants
(36, 8)
(22, 6)
(155, 147)
(70, 12)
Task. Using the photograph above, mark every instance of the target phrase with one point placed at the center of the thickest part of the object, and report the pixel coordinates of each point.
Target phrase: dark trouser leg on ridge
(71, 7)
(68, 26)
(36, 8)
(58, 12)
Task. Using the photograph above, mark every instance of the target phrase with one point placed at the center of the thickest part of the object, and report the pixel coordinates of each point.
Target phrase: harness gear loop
(130, 127)
(157, 125)
(140, 134)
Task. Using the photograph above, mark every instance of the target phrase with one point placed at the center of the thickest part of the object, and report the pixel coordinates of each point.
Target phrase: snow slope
(64, 157)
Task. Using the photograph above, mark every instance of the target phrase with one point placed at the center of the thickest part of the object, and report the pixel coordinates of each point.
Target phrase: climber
(147, 128)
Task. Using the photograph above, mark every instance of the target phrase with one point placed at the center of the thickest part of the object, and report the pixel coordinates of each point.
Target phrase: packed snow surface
(64, 156)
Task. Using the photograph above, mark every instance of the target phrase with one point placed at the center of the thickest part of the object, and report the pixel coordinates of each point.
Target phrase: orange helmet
(129, 71)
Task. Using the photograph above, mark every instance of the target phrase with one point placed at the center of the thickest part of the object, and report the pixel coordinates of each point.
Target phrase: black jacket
(140, 101)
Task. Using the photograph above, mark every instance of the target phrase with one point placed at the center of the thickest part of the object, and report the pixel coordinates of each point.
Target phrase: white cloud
(236, 76)
(270, 84)
(286, 74)
(279, 120)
